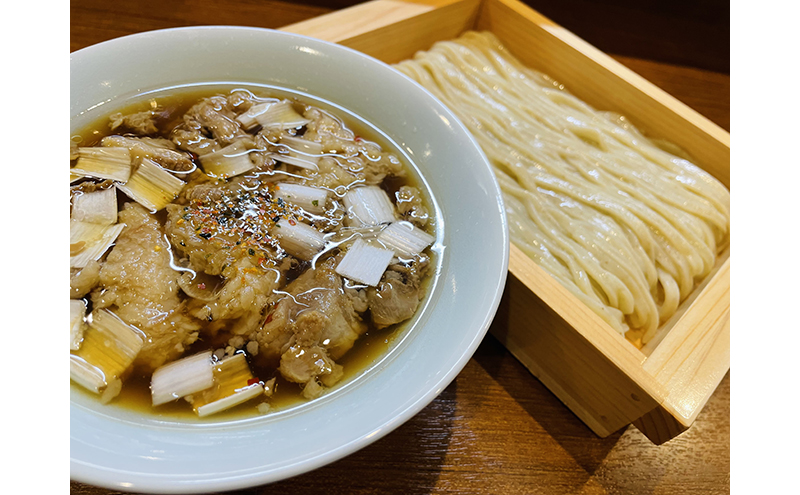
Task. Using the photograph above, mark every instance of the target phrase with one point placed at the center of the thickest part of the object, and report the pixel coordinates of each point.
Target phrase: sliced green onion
(77, 313)
(233, 385)
(88, 241)
(364, 263)
(108, 349)
(300, 240)
(311, 199)
(179, 378)
(368, 205)
(405, 239)
(96, 207)
(103, 163)
(272, 115)
(151, 186)
(230, 161)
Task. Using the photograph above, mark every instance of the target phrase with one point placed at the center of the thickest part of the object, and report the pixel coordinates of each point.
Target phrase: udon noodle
(626, 226)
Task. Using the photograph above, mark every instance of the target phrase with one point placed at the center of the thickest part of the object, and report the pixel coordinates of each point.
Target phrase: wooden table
(496, 429)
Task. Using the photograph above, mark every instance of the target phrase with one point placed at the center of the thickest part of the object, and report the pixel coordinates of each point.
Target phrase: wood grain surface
(496, 429)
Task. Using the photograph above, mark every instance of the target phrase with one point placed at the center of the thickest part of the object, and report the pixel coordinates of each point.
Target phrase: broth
(367, 350)
(135, 394)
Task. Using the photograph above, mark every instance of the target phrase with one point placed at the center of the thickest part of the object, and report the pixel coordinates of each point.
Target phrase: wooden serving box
(602, 378)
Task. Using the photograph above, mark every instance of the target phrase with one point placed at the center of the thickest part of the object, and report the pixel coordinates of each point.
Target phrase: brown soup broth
(367, 350)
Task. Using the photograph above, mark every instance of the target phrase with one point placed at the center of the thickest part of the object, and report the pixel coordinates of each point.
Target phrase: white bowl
(120, 449)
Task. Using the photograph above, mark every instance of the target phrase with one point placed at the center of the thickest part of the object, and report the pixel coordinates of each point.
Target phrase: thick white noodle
(625, 225)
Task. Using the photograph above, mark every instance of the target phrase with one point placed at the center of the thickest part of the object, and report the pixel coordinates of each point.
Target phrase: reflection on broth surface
(235, 251)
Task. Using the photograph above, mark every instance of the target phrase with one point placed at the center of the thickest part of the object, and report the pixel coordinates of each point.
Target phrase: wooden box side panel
(541, 44)
(392, 30)
(682, 405)
(598, 375)
(695, 355)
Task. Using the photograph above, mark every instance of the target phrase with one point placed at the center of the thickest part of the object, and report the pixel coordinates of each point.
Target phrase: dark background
(682, 32)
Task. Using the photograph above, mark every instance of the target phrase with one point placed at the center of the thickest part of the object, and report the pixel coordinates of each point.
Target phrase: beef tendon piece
(142, 289)
(396, 297)
(83, 280)
(207, 127)
(140, 123)
(242, 298)
(314, 316)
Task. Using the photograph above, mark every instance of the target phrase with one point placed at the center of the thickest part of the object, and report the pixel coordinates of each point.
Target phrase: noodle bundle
(626, 226)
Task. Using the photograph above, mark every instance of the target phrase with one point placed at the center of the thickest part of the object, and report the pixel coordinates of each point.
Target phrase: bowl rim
(102, 476)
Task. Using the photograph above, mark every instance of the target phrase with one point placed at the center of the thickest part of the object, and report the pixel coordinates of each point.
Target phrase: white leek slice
(161, 151)
(272, 115)
(87, 376)
(303, 148)
(230, 161)
(179, 378)
(345, 234)
(88, 241)
(364, 263)
(103, 163)
(300, 240)
(405, 239)
(248, 118)
(108, 349)
(297, 161)
(311, 199)
(151, 186)
(301, 153)
(77, 313)
(96, 207)
(368, 205)
(233, 385)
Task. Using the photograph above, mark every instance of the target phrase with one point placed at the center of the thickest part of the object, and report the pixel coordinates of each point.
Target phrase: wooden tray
(602, 378)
